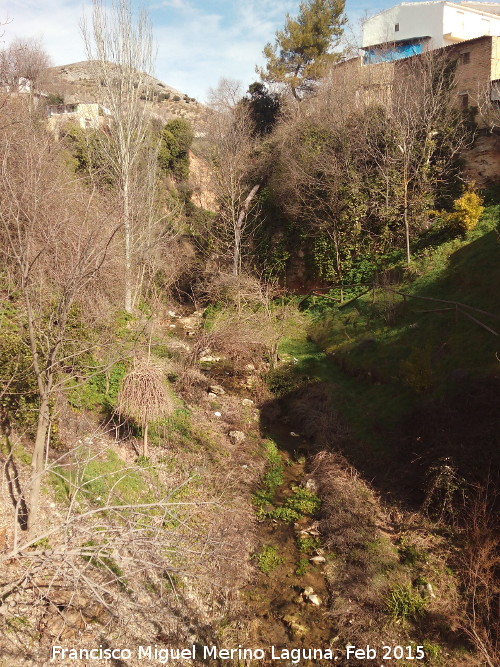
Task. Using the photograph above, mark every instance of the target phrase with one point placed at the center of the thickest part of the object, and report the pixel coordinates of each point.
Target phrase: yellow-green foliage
(467, 210)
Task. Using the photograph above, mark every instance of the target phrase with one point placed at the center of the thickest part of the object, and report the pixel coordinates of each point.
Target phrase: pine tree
(303, 49)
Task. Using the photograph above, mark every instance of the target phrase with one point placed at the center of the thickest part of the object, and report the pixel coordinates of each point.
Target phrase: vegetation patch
(301, 502)
(272, 479)
(100, 480)
(268, 559)
(404, 603)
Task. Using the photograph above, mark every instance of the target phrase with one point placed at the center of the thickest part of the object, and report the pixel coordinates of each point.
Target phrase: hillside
(74, 83)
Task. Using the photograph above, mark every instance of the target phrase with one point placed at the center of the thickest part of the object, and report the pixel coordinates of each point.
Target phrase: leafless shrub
(348, 512)
(314, 416)
(240, 290)
(190, 382)
(479, 562)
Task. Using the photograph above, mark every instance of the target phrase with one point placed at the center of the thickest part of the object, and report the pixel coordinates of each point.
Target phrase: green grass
(403, 603)
(101, 480)
(272, 479)
(382, 355)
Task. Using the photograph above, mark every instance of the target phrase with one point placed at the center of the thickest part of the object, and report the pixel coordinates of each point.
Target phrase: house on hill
(86, 115)
(411, 28)
(467, 33)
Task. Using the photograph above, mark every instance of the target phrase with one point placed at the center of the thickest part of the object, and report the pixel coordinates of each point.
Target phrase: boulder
(311, 485)
(293, 622)
(237, 437)
(317, 560)
(217, 390)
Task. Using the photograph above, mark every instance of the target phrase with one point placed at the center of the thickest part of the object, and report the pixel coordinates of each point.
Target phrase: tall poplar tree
(304, 48)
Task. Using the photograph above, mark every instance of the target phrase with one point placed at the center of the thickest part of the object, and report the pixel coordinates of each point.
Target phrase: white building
(414, 27)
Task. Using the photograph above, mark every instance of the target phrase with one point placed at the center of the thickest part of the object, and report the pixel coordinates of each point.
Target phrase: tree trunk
(407, 224)
(127, 243)
(37, 461)
(238, 228)
(145, 450)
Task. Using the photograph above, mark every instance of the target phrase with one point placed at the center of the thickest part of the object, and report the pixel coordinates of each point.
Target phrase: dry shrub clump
(314, 416)
(349, 516)
(479, 564)
(240, 338)
(363, 555)
(144, 396)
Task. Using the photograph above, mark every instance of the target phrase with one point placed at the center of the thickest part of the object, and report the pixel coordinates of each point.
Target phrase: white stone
(247, 401)
(237, 437)
(314, 599)
(217, 414)
(317, 560)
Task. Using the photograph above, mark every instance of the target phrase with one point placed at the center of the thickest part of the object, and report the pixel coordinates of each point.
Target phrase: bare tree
(427, 132)
(231, 154)
(120, 50)
(23, 60)
(53, 244)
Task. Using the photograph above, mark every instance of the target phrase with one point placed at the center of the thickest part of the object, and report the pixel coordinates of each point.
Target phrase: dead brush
(144, 397)
(348, 521)
(190, 382)
(239, 338)
(314, 416)
(479, 566)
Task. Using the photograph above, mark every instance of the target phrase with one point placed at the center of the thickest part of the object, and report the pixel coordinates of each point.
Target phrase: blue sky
(199, 41)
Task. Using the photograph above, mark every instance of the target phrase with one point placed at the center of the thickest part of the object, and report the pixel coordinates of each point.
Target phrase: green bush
(307, 545)
(268, 559)
(303, 501)
(176, 139)
(417, 370)
(403, 603)
(100, 390)
(467, 210)
(302, 567)
(283, 380)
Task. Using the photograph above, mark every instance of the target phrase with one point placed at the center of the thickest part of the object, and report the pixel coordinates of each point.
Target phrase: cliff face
(482, 162)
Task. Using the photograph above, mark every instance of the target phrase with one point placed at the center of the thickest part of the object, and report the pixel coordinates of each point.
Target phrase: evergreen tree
(303, 49)
(264, 107)
(176, 139)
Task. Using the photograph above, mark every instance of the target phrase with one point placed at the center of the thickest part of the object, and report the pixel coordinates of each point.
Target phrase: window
(465, 58)
(464, 100)
(396, 27)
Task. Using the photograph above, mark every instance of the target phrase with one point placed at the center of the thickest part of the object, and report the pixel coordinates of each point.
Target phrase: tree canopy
(303, 49)
(264, 107)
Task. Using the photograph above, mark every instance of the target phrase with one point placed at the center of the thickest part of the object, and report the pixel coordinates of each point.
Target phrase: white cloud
(199, 41)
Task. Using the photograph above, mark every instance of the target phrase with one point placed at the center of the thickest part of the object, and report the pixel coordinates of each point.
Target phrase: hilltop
(74, 83)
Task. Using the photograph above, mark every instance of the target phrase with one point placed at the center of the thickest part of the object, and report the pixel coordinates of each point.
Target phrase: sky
(198, 41)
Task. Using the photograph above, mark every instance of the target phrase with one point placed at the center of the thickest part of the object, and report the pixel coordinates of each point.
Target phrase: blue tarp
(395, 52)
